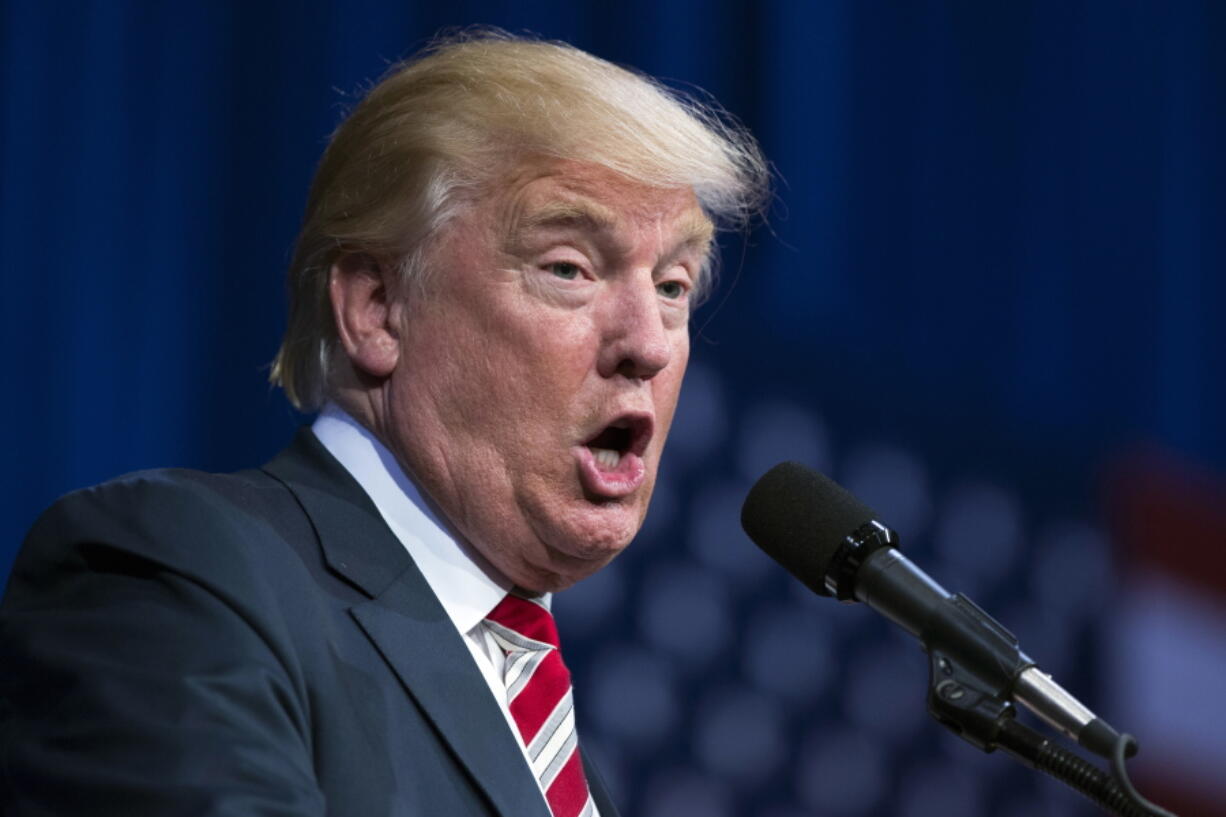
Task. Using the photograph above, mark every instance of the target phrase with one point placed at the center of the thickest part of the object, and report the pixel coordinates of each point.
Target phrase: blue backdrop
(994, 264)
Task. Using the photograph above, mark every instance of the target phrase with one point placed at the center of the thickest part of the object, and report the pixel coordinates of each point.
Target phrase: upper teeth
(607, 457)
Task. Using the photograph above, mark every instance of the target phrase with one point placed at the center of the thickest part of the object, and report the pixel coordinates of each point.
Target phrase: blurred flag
(1168, 654)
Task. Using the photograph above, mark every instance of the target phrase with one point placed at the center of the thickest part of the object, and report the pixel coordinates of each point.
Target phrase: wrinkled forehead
(561, 195)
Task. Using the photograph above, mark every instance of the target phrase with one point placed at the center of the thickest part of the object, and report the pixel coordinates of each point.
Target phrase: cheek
(514, 378)
(544, 357)
(442, 363)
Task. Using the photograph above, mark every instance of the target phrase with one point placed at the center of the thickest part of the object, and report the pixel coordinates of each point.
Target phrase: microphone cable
(1126, 745)
(1113, 792)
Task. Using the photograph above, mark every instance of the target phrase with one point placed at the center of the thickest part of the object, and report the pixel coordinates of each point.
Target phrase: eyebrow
(587, 214)
(696, 230)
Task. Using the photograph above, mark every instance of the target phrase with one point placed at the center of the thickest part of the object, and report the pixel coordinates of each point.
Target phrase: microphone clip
(981, 713)
(972, 708)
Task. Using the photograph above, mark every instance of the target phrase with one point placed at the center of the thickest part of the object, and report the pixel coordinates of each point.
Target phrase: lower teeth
(607, 457)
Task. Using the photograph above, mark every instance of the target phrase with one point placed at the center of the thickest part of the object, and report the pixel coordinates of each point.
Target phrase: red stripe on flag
(1184, 798)
(1171, 514)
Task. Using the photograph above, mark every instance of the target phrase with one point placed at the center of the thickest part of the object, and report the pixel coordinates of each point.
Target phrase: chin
(574, 552)
(567, 571)
(577, 538)
(598, 533)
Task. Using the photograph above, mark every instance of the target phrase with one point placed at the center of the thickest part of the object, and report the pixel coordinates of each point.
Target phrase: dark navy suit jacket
(178, 643)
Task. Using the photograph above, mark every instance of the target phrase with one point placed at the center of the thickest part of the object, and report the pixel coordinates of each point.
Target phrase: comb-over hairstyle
(443, 126)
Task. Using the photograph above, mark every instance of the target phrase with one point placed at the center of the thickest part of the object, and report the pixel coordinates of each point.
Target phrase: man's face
(539, 371)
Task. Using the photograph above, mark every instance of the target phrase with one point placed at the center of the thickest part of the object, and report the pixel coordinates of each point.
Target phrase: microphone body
(834, 544)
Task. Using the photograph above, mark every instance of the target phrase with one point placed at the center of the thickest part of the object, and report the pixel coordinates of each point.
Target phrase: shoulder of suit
(212, 526)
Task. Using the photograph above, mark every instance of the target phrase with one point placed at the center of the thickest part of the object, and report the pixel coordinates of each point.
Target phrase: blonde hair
(438, 127)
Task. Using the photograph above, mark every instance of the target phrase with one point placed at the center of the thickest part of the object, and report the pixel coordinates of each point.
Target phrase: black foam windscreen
(800, 518)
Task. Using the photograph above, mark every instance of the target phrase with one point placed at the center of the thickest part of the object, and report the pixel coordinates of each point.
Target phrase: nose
(636, 343)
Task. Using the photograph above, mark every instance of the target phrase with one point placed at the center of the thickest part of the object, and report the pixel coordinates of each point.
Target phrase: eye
(565, 270)
(671, 289)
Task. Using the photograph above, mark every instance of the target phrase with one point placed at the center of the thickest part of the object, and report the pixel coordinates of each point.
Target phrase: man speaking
(489, 307)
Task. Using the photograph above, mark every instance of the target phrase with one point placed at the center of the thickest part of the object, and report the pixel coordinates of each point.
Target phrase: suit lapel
(595, 784)
(407, 624)
(420, 643)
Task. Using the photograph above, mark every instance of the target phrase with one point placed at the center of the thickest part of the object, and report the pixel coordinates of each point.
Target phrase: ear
(363, 309)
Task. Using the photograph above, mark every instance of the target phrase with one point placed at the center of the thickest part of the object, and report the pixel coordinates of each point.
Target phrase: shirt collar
(466, 585)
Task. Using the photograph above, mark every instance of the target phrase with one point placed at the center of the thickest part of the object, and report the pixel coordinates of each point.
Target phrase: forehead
(564, 194)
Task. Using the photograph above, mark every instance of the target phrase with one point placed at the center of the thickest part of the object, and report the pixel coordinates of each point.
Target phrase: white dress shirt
(465, 584)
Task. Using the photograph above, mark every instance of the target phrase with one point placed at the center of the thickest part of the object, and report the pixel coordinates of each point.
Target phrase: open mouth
(628, 434)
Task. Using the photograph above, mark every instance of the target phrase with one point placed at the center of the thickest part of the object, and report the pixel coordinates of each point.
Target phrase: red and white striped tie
(539, 696)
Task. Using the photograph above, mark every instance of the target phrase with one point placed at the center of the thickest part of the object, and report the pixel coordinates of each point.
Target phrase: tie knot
(526, 622)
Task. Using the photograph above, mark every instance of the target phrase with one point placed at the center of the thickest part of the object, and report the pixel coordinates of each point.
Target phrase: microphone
(834, 543)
